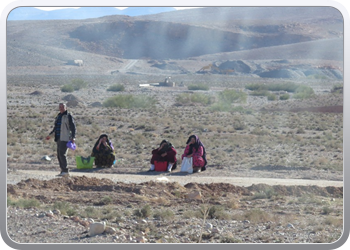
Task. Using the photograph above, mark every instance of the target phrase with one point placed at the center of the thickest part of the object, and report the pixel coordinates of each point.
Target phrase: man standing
(64, 130)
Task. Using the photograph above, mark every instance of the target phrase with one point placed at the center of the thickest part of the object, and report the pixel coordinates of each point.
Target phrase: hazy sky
(55, 8)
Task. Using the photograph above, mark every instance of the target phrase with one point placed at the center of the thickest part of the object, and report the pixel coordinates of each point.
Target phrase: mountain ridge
(32, 13)
(306, 35)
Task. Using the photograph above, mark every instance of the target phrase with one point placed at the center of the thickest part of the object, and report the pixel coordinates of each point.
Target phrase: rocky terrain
(275, 166)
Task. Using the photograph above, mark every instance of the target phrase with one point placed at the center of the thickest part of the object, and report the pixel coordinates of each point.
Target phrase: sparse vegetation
(67, 88)
(78, 84)
(144, 212)
(188, 99)
(116, 88)
(304, 92)
(129, 102)
(23, 203)
(198, 87)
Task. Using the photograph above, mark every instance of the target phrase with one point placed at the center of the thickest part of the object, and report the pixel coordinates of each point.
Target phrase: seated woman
(164, 153)
(196, 150)
(103, 152)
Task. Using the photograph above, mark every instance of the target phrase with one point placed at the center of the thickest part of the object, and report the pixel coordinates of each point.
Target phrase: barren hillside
(171, 36)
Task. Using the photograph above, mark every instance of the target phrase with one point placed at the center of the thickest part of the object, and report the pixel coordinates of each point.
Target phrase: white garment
(152, 167)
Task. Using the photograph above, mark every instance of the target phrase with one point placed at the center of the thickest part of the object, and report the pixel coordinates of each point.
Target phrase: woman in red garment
(196, 150)
(164, 153)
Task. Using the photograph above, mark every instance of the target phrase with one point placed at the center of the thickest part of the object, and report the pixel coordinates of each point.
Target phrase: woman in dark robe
(103, 152)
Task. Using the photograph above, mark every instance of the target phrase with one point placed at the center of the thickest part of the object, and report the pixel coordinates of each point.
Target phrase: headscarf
(108, 142)
(166, 147)
(196, 146)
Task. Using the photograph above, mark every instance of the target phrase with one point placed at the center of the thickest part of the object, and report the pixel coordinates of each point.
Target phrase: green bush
(284, 97)
(130, 101)
(23, 203)
(78, 84)
(225, 100)
(257, 216)
(144, 212)
(91, 212)
(270, 96)
(289, 87)
(65, 208)
(256, 86)
(67, 88)
(194, 98)
(304, 92)
(221, 107)
(164, 214)
(116, 88)
(198, 87)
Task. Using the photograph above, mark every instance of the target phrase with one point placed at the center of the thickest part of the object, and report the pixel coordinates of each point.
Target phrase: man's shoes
(169, 170)
(63, 174)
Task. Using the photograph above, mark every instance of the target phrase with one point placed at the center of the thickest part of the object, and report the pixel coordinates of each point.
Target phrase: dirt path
(181, 178)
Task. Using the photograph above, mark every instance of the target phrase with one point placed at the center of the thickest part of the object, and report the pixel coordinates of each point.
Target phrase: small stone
(110, 230)
(84, 223)
(49, 214)
(56, 211)
(46, 158)
(141, 239)
(97, 228)
(75, 218)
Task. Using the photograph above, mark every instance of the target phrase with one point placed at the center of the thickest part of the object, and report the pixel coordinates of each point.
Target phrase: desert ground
(274, 174)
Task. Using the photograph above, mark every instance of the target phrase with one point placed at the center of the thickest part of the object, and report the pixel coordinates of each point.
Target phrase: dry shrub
(160, 200)
(257, 216)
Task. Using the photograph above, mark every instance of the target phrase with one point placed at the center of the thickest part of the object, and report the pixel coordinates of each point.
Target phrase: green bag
(84, 162)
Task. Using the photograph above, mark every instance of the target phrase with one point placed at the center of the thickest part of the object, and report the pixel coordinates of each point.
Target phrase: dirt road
(181, 178)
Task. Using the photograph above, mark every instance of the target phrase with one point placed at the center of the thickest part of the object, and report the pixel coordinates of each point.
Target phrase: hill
(314, 34)
(32, 13)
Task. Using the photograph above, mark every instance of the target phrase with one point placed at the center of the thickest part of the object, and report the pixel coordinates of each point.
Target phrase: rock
(110, 230)
(37, 92)
(41, 215)
(97, 228)
(96, 104)
(84, 223)
(49, 214)
(208, 226)
(46, 158)
(196, 195)
(75, 218)
(141, 239)
(70, 97)
(290, 225)
(56, 211)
